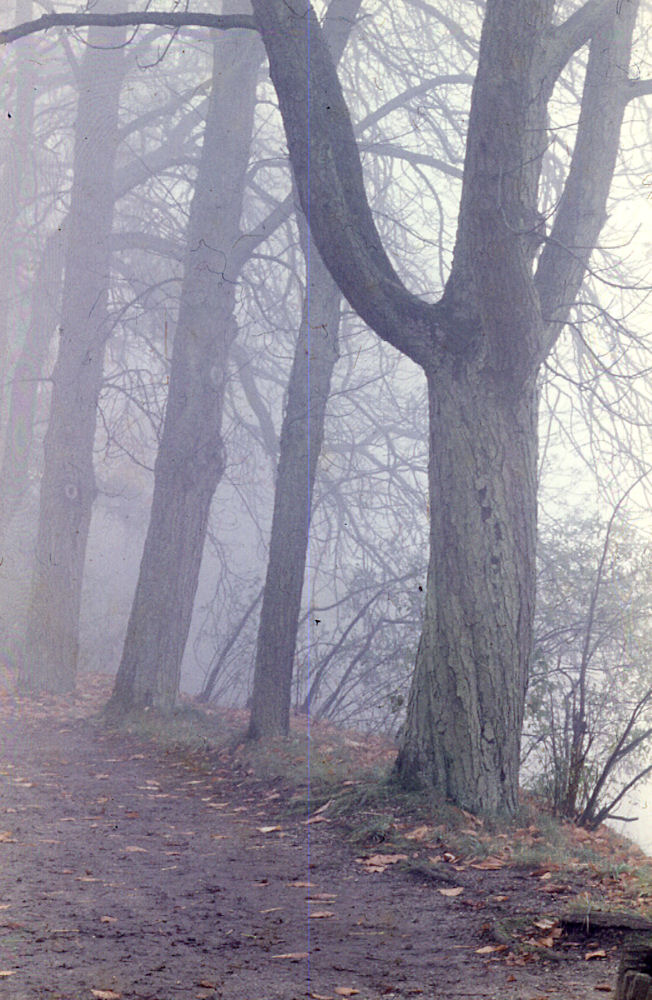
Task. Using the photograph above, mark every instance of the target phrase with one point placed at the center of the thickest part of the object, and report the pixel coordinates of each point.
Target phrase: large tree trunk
(68, 483)
(481, 345)
(301, 440)
(191, 458)
(462, 733)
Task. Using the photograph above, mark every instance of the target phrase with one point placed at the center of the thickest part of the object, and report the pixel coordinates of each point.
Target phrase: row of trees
(515, 112)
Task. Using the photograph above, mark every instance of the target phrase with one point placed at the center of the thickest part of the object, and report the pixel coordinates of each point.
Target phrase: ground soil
(130, 871)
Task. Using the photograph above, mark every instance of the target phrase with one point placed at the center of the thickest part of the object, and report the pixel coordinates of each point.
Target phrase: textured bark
(301, 440)
(68, 482)
(191, 457)
(481, 347)
(463, 726)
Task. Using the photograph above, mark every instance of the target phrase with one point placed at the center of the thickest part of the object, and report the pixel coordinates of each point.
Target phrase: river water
(639, 805)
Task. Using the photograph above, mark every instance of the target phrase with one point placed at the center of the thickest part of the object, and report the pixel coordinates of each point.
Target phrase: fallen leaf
(207, 984)
(545, 923)
(490, 864)
(316, 819)
(323, 897)
(4, 973)
(6, 837)
(320, 996)
(382, 859)
(267, 829)
(293, 956)
(106, 994)
(490, 948)
(136, 850)
(604, 987)
(346, 991)
(318, 914)
(108, 920)
(419, 833)
(600, 953)
(301, 885)
(452, 892)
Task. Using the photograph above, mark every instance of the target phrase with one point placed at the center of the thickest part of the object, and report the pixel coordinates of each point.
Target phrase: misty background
(101, 139)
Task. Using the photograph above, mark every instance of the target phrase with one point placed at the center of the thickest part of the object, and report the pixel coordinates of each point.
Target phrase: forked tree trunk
(191, 459)
(480, 345)
(301, 440)
(68, 483)
(462, 732)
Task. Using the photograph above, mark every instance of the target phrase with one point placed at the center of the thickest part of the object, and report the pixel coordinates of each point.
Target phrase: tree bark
(191, 458)
(464, 716)
(68, 482)
(301, 441)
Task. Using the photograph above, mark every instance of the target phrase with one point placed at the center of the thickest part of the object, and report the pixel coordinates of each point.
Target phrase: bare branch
(638, 88)
(166, 19)
(581, 213)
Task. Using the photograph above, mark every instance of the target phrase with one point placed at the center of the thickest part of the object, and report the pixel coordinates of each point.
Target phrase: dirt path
(126, 872)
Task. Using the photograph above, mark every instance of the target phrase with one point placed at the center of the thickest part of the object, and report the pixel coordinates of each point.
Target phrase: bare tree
(68, 482)
(481, 346)
(190, 460)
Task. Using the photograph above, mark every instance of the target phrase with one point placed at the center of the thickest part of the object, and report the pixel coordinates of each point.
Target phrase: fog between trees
(247, 393)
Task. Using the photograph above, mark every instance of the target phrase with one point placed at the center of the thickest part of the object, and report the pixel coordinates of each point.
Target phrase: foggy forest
(325, 477)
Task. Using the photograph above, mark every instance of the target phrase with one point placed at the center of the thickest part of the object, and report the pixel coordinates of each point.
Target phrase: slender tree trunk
(17, 182)
(301, 440)
(191, 457)
(68, 482)
(300, 445)
(462, 732)
(14, 473)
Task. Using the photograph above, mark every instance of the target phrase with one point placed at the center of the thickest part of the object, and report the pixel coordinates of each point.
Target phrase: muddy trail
(132, 872)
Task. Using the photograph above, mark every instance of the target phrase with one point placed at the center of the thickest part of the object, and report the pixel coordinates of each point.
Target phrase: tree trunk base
(635, 972)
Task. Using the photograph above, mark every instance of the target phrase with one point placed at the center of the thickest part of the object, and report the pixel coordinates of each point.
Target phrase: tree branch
(575, 32)
(166, 19)
(637, 88)
(582, 207)
(328, 173)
